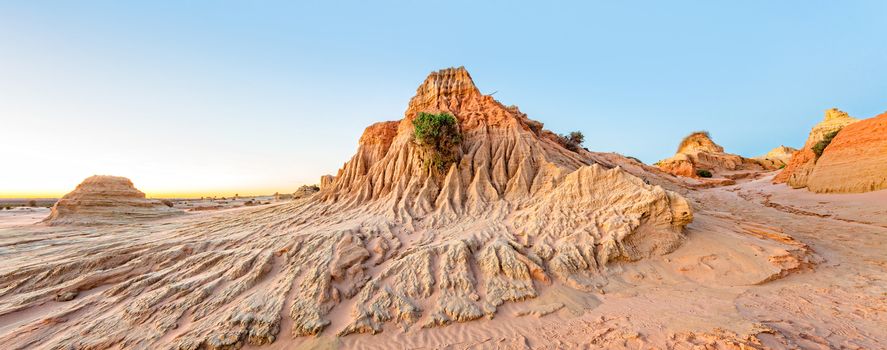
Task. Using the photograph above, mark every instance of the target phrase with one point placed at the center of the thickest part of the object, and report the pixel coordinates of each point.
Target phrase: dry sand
(22, 216)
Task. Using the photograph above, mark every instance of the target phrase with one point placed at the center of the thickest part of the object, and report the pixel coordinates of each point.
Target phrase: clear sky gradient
(218, 97)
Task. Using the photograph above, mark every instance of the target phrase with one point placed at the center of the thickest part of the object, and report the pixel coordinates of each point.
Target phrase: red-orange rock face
(326, 181)
(380, 133)
(855, 160)
(680, 166)
(798, 170)
(452, 90)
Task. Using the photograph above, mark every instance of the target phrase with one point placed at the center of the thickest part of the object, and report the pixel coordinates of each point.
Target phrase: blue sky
(249, 97)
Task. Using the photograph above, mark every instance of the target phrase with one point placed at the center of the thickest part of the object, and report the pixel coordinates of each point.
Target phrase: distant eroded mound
(778, 157)
(698, 156)
(103, 199)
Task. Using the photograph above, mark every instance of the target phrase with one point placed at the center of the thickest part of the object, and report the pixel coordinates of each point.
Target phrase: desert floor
(723, 287)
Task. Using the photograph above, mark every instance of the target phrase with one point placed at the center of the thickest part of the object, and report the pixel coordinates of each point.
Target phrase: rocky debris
(391, 242)
(723, 339)
(103, 199)
(66, 296)
(778, 157)
(798, 169)
(540, 311)
(855, 160)
(699, 156)
(305, 191)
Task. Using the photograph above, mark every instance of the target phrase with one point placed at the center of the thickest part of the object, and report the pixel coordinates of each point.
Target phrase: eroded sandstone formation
(103, 199)
(797, 171)
(855, 160)
(326, 180)
(697, 152)
(778, 157)
(386, 242)
(509, 183)
(305, 191)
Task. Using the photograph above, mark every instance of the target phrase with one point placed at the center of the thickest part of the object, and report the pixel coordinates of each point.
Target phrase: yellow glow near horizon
(176, 168)
(48, 171)
(173, 178)
(158, 193)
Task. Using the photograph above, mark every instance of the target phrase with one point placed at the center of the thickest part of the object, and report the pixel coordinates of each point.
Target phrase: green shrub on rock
(438, 137)
(572, 141)
(820, 146)
(703, 173)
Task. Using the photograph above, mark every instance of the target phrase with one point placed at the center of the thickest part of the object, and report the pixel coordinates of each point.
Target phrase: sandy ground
(763, 266)
(866, 208)
(209, 204)
(712, 293)
(22, 216)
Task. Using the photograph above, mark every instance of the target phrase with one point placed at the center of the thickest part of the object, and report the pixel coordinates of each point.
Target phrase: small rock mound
(103, 199)
(778, 157)
(699, 141)
(855, 160)
(326, 180)
(798, 170)
(306, 191)
(697, 154)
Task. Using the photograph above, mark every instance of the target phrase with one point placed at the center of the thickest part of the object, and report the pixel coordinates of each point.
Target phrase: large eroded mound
(855, 160)
(797, 171)
(385, 241)
(103, 199)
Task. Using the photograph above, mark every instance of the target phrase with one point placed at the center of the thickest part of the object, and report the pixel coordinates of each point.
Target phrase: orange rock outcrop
(698, 152)
(778, 157)
(325, 181)
(855, 160)
(797, 171)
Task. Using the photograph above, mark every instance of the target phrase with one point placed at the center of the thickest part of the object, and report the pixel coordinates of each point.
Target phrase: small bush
(703, 173)
(820, 146)
(438, 136)
(167, 202)
(32, 203)
(572, 141)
